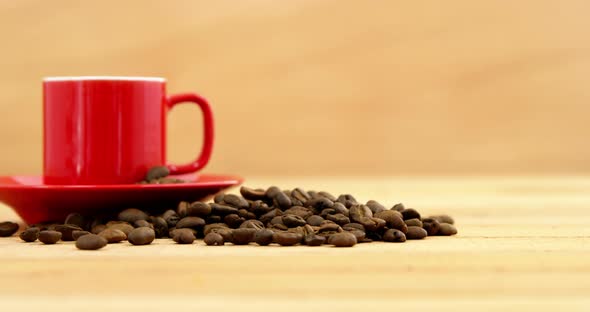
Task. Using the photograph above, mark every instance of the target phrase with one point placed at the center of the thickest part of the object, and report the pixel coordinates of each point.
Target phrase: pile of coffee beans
(159, 175)
(260, 216)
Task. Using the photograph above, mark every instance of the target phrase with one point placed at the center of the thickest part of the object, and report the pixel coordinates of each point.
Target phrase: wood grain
(324, 87)
(523, 244)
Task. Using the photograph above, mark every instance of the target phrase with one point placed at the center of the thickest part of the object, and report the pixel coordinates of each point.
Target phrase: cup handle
(203, 158)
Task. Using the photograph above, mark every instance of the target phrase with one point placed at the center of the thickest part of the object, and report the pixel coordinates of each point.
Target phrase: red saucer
(36, 202)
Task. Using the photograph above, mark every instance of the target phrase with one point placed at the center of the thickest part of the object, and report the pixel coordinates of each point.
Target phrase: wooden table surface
(523, 244)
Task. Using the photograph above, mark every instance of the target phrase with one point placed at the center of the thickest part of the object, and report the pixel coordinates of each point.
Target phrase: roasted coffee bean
(299, 211)
(30, 235)
(8, 228)
(276, 220)
(398, 207)
(347, 200)
(233, 220)
(213, 219)
(374, 224)
(343, 239)
(171, 217)
(287, 238)
(78, 234)
(113, 235)
(243, 236)
(132, 214)
(166, 181)
(141, 236)
(213, 239)
(49, 237)
(413, 222)
(157, 172)
(314, 220)
(353, 226)
(198, 209)
(329, 226)
(259, 207)
(66, 231)
(98, 228)
(410, 213)
(90, 242)
(375, 206)
(393, 235)
(265, 218)
(252, 194)
(314, 240)
(393, 220)
(173, 231)
(182, 236)
(123, 227)
(278, 226)
(282, 201)
(339, 218)
(293, 220)
(76, 219)
(340, 208)
(431, 226)
(253, 224)
(210, 227)
(222, 209)
(359, 212)
(218, 199)
(319, 203)
(326, 212)
(190, 222)
(263, 237)
(327, 195)
(360, 235)
(373, 236)
(142, 223)
(446, 229)
(272, 191)
(160, 227)
(415, 232)
(300, 195)
(246, 214)
(235, 201)
(443, 219)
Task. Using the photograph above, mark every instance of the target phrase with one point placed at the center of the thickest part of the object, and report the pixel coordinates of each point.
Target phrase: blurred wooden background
(324, 87)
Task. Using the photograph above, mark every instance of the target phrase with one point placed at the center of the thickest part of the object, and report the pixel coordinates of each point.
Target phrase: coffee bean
(265, 218)
(359, 212)
(353, 226)
(218, 199)
(243, 236)
(314, 220)
(374, 224)
(413, 222)
(213, 239)
(415, 232)
(303, 212)
(444, 219)
(344, 239)
(252, 224)
(49, 237)
(233, 220)
(236, 201)
(329, 226)
(76, 219)
(339, 219)
(166, 181)
(183, 236)
(282, 201)
(300, 195)
(375, 206)
(222, 209)
(393, 220)
(247, 215)
(141, 236)
(113, 235)
(157, 172)
(160, 226)
(210, 227)
(252, 194)
(123, 227)
(319, 203)
(393, 235)
(142, 223)
(446, 229)
(410, 213)
(263, 237)
(198, 209)
(327, 195)
(347, 200)
(287, 238)
(171, 217)
(190, 222)
(431, 226)
(293, 220)
(360, 235)
(66, 231)
(340, 208)
(373, 236)
(78, 234)
(8, 228)
(259, 207)
(132, 214)
(398, 207)
(326, 212)
(29, 235)
(272, 191)
(98, 228)
(173, 231)
(90, 242)
(213, 219)
(314, 240)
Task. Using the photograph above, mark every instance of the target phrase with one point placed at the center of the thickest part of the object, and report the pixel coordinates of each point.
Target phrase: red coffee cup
(111, 130)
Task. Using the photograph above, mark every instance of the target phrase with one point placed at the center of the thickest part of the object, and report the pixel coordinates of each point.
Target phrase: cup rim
(103, 78)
